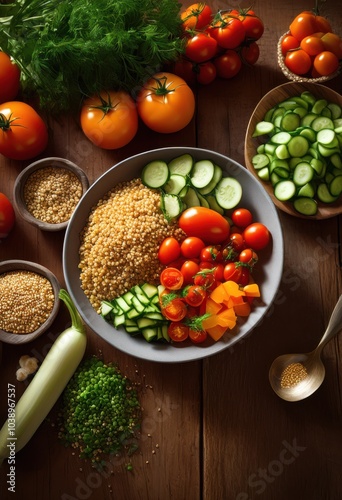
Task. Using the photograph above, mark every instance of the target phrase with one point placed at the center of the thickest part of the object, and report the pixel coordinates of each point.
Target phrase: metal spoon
(309, 372)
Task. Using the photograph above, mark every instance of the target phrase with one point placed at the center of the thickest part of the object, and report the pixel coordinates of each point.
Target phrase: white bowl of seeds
(47, 192)
(29, 300)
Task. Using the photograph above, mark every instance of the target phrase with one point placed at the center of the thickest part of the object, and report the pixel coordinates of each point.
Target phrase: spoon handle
(334, 325)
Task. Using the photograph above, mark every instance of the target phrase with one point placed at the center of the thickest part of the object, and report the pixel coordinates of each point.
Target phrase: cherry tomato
(7, 216)
(237, 242)
(254, 27)
(332, 43)
(210, 254)
(23, 133)
(189, 269)
(171, 278)
(245, 276)
(242, 217)
(110, 119)
(289, 42)
(298, 61)
(169, 250)
(191, 247)
(178, 332)
(174, 310)
(248, 256)
(313, 45)
(197, 16)
(205, 223)
(200, 47)
(303, 25)
(326, 63)
(229, 32)
(218, 272)
(198, 336)
(194, 295)
(232, 272)
(186, 70)
(205, 72)
(204, 278)
(228, 64)
(322, 24)
(250, 53)
(166, 103)
(9, 78)
(256, 236)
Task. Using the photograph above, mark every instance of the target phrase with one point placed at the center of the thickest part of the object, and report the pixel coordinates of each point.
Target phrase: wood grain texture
(213, 429)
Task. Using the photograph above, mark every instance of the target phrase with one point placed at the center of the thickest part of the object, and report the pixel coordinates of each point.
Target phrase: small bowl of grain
(47, 192)
(29, 300)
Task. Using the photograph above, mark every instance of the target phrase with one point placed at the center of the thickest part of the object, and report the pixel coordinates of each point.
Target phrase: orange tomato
(313, 45)
(303, 25)
(332, 43)
(298, 61)
(9, 78)
(325, 63)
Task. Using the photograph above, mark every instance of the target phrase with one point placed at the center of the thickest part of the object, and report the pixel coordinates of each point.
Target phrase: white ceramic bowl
(270, 265)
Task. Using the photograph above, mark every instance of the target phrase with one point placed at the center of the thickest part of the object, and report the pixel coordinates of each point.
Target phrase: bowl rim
(123, 342)
(25, 265)
(19, 184)
(325, 211)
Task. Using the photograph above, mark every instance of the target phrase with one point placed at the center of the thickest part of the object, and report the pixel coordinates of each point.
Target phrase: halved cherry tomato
(204, 223)
(197, 336)
(7, 216)
(200, 47)
(189, 269)
(171, 278)
(205, 278)
(191, 247)
(256, 236)
(178, 332)
(197, 16)
(169, 250)
(194, 295)
(174, 310)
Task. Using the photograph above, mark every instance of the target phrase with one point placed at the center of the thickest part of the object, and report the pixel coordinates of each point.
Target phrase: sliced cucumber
(171, 205)
(218, 174)
(191, 199)
(228, 193)
(305, 206)
(284, 190)
(155, 174)
(202, 173)
(181, 165)
(303, 173)
(175, 184)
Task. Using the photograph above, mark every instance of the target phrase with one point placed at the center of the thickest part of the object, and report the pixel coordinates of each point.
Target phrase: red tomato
(303, 25)
(204, 223)
(210, 254)
(253, 25)
(23, 132)
(194, 295)
(289, 42)
(205, 278)
(313, 45)
(189, 269)
(200, 47)
(197, 336)
(218, 272)
(228, 64)
(178, 332)
(171, 278)
(9, 78)
(7, 216)
(169, 250)
(166, 103)
(237, 242)
(332, 43)
(205, 72)
(174, 310)
(245, 276)
(242, 217)
(326, 63)
(185, 69)
(232, 272)
(191, 247)
(256, 236)
(229, 32)
(298, 61)
(197, 16)
(250, 53)
(322, 24)
(248, 256)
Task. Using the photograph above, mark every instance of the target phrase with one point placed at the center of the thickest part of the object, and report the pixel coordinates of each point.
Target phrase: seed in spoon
(292, 375)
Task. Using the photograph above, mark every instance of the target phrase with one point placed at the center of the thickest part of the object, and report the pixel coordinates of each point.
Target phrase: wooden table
(212, 429)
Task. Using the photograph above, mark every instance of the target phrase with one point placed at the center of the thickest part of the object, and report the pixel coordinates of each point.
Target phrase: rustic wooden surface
(212, 429)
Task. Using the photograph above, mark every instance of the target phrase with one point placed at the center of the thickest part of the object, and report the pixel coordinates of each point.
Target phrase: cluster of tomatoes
(217, 44)
(195, 267)
(311, 47)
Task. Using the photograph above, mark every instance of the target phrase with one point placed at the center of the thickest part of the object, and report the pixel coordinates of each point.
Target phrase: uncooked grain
(119, 244)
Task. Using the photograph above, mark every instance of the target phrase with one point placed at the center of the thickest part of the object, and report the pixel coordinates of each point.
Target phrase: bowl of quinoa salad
(29, 300)
(112, 240)
(47, 192)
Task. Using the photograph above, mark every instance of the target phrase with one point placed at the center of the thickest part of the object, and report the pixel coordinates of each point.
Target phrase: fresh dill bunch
(67, 50)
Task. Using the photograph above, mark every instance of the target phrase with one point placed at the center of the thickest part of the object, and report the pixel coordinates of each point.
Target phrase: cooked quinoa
(119, 244)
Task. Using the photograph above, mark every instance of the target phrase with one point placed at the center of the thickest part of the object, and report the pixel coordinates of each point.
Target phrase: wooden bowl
(272, 98)
(22, 265)
(19, 186)
(299, 78)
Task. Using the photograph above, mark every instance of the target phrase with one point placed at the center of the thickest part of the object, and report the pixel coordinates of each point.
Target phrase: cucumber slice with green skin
(308, 97)
(326, 136)
(324, 194)
(281, 138)
(298, 146)
(181, 165)
(290, 121)
(175, 184)
(264, 174)
(303, 173)
(322, 122)
(260, 160)
(335, 186)
(155, 174)
(191, 199)
(336, 110)
(213, 203)
(307, 191)
(305, 206)
(263, 128)
(203, 201)
(228, 193)
(218, 174)
(319, 105)
(171, 205)
(284, 190)
(202, 173)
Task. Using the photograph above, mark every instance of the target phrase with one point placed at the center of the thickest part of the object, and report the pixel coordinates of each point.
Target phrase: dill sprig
(67, 50)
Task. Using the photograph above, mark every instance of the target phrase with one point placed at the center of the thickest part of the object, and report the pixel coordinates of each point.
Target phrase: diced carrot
(216, 332)
(212, 307)
(243, 309)
(219, 294)
(252, 290)
(232, 288)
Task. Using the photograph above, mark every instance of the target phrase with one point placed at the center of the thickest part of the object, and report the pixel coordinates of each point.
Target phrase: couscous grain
(52, 193)
(119, 245)
(26, 301)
